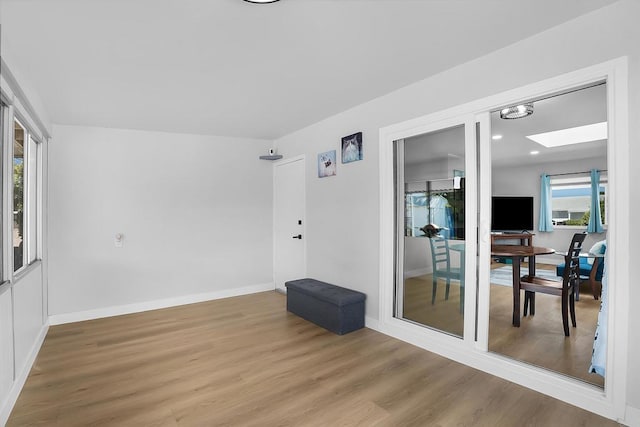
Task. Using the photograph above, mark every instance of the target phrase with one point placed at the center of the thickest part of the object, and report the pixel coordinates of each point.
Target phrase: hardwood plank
(246, 361)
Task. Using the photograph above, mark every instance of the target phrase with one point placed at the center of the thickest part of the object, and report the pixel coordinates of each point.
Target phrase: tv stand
(526, 239)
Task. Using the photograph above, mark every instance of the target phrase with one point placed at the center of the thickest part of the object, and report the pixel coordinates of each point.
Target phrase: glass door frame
(611, 402)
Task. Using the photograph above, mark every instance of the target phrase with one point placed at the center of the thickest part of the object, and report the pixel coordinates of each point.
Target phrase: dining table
(516, 253)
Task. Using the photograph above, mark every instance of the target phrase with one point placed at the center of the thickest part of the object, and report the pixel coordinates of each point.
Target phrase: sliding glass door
(433, 268)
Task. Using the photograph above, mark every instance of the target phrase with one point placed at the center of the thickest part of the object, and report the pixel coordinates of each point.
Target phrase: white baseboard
(418, 272)
(632, 417)
(98, 313)
(371, 323)
(7, 406)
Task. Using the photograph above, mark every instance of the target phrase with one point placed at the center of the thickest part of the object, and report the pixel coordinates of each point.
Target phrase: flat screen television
(511, 213)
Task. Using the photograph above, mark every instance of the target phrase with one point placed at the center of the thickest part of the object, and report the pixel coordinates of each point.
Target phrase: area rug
(502, 276)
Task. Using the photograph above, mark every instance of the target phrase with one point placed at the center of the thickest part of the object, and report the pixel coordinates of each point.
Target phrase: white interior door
(289, 222)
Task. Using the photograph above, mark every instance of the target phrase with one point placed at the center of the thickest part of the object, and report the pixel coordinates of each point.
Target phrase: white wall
(28, 321)
(6, 343)
(343, 211)
(22, 330)
(195, 211)
(417, 256)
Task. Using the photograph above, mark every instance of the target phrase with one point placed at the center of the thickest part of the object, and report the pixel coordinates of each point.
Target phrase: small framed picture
(327, 164)
(352, 148)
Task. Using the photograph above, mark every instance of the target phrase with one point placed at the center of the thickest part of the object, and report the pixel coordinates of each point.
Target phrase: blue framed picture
(352, 148)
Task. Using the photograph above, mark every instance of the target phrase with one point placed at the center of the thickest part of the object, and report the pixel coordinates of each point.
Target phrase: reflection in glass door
(430, 211)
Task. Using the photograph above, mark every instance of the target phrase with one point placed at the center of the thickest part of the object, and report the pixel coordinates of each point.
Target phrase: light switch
(118, 240)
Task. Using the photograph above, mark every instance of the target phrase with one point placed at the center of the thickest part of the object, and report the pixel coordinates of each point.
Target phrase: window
(32, 187)
(18, 195)
(415, 212)
(25, 196)
(571, 199)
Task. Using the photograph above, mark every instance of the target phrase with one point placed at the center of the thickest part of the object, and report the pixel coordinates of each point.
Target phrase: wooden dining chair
(564, 289)
(441, 260)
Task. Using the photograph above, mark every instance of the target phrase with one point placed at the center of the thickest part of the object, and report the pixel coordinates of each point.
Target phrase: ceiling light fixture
(534, 152)
(517, 111)
(261, 1)
(496, 137)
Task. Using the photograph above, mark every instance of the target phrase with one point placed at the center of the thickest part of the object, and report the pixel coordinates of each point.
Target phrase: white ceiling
(228, 67)
(576, 108)
(579, 108)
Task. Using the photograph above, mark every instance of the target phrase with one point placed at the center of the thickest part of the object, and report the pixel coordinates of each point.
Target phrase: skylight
(577, 135)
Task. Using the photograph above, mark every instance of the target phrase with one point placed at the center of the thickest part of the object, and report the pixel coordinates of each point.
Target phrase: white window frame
(5, 139)
(29, 230)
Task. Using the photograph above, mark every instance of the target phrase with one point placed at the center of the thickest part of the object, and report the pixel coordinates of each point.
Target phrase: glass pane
(431, 181)
(529, 326)
(18, 196)
(32, 196)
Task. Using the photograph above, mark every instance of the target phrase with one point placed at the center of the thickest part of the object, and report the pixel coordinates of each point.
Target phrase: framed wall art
(327, 164)
(352, 148)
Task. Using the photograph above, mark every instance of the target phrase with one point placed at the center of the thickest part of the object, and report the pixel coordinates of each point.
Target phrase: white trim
(618, 241)
(632, 416)
(484, 232)
(6, 192)
(288, 160)
(577, 228)
(98, 313)
(471, 227)
(371, 323)
(24, 117)
(21, 377)
(14, 92)
(612, 402)
(6, 93)
(398, 149)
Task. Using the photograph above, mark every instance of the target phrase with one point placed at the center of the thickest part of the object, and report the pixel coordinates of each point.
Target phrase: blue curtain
(595, 220)
(545, 221)
(440, 214)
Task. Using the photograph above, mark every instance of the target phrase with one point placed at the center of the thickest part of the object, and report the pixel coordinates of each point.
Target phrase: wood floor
(539, 340)
(246, 361)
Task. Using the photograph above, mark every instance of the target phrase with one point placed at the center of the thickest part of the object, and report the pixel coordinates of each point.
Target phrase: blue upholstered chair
(586, 265)
(440, 256)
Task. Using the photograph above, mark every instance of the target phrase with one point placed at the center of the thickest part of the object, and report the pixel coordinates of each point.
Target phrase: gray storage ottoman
(337, 309)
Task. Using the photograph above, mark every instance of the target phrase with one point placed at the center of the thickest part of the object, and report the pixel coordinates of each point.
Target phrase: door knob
(299, 236)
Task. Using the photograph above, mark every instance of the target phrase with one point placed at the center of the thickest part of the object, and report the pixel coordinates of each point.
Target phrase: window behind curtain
(571, 198)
